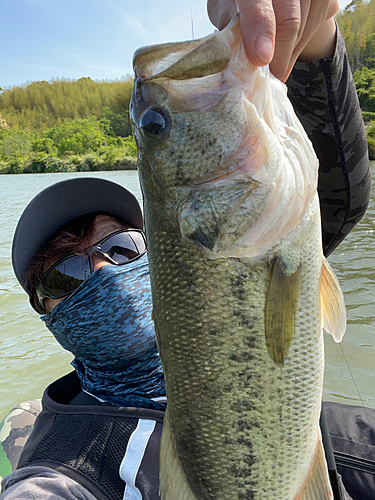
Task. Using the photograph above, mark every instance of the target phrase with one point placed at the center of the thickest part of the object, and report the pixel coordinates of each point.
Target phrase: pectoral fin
(332, 303)
(280, 310)
(317, 485)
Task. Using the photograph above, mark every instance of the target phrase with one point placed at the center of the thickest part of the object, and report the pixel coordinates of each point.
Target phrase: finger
(292, 62)
(258, 30)
(318, 36)
(288, 28)
(333, 8)
(319, 12)
(321, 44)
(221, 12)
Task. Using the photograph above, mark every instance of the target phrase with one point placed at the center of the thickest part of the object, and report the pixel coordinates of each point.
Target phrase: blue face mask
(106, 324)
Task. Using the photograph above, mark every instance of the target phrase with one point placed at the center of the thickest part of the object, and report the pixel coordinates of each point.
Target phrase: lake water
(31, 358)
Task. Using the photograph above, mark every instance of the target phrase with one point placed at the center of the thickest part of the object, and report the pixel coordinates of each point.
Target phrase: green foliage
(357, 25)
(369, 51)
(77, 137)
(368, 116)
(370, 130)
(130, 146)
(44, 145)
(63, 126)
(370, 133)
(371, 148)
(364, 80)
(352, 5)
(14, 144)
(3, 123)
(42, 105)
(76, 146)
(119, 122)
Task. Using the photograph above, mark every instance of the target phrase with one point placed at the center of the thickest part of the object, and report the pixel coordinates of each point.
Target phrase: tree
(44, 145)
(78, 137)
(119, 122)
(3, 123)
(364, 80)
(357, 25)
(369, 51)
(353, 4)
(41, 105)
(14, 144)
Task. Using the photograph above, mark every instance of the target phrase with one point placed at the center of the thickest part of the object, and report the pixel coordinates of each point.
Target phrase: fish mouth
(195, 73)
(191, 59)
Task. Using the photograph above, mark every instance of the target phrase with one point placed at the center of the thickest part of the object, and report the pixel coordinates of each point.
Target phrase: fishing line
(354, 382)
(191, 16)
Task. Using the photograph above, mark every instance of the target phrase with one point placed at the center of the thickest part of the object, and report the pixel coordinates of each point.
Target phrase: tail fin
(317, 485)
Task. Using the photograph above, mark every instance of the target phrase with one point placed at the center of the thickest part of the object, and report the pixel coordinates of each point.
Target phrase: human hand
(278, 32)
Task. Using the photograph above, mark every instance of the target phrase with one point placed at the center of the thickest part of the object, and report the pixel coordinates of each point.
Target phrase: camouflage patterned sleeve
(324, 97)
(14, 432)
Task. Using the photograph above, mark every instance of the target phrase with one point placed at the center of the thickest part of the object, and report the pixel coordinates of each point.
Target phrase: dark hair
(73, 238)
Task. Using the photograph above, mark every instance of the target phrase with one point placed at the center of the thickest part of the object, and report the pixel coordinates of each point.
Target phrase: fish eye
(153, 123)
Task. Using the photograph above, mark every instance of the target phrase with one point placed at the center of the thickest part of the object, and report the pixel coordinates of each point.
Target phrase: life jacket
(87, 441)
(104, 448)
(352, 432)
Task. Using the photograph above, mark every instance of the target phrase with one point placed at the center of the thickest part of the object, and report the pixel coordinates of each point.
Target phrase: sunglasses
(64, 277)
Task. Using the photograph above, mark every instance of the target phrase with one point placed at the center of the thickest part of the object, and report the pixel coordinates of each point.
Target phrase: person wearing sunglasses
(65, 276)
(80, 253)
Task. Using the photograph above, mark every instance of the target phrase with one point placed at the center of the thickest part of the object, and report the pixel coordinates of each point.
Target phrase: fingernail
(264, 48)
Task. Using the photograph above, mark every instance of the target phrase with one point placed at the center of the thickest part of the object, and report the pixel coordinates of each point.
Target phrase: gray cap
(63, 202)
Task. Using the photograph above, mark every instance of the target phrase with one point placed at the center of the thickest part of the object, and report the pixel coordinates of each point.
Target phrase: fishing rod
(326, 438)
(354, 382)
(191, 16)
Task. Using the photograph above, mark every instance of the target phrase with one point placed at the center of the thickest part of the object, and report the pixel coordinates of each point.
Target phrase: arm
(41, 482)
(324, 97)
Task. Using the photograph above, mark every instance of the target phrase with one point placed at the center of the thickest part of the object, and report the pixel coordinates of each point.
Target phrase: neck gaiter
(106, 324)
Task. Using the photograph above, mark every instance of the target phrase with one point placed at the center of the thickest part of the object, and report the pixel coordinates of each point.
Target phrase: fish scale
(229, 326)
(236, 266)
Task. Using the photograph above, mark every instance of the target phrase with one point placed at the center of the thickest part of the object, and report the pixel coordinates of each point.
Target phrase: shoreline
(66, 165)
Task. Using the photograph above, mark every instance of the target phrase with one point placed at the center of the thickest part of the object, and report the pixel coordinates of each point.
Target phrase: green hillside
(65, 125)
(357, 25)
(41, 105)
(76, 125)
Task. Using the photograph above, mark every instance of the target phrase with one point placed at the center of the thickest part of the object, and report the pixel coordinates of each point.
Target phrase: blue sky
(44, 39)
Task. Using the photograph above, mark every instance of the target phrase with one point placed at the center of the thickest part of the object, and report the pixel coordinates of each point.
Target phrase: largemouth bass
(240, 286)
